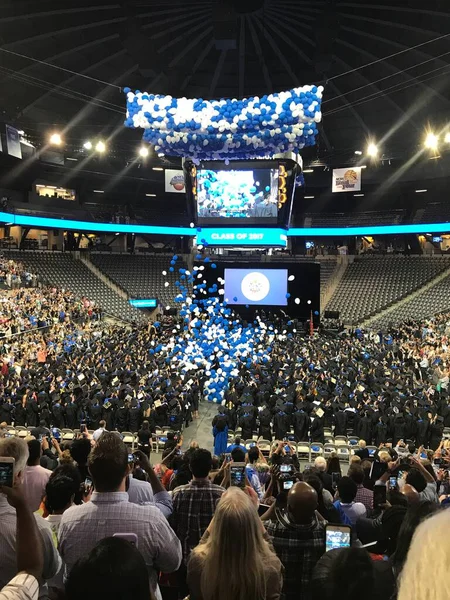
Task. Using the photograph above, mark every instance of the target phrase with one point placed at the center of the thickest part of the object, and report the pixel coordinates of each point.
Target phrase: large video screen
(237, 194)
(261, 287)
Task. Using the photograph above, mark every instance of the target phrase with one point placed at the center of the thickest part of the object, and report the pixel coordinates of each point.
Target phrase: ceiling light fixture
(143, 152)
(100, 147)
(158, 169)
(308, 170)
(55, 139)
(87, 145)
(372, 150)
(150, 195)
(421, 191)
(431, 141)
(358, 152)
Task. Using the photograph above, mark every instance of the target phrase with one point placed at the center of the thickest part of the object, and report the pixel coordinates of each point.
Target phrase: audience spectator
(298, 536)
(194, 504)
(363, 495)
(324, 499)
(235, 538)
(236, 444)
(388, 571)
(345, 504)
(362, 451)
(98, 432)
(80, 528)
(147, 492)
(345, 573)
(113, 569)
(320, 465)
(424, 572)
(30, 562)
(253, 456)
(334, 464)
(18, 449)
(422, 481)
(35, 477)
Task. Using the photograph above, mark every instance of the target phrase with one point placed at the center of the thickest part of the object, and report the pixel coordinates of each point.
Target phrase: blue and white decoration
(212, 338)
(227, 129)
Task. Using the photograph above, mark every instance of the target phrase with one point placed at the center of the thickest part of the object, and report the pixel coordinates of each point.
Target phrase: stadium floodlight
(431, 141)
(143, 152)
(87, 145)
(447, 138)
(55, 139)
(372, 150)
(100, 147)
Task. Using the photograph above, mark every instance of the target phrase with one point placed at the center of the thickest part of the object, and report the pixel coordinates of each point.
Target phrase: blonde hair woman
(424, 575)
(234, 560)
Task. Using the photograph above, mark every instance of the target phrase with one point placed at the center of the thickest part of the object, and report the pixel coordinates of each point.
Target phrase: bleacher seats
(141, 276)
(430, 302)
(354, 219)
(63, 270)
(373, 283)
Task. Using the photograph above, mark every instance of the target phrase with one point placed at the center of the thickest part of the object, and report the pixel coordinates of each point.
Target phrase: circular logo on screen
(255, 286)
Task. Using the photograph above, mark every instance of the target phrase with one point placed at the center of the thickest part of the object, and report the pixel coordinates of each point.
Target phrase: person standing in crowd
(363, 495)
(109, 505)
(114, 568)
(30, 559)
(298, 537)
(320, 465)
(99, 432)
(235, 536)
(194, 505)
(346, 504)
(35, 477)
(18, 449)
(424, 574)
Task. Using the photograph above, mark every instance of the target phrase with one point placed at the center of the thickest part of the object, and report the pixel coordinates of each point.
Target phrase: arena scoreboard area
(241, 203)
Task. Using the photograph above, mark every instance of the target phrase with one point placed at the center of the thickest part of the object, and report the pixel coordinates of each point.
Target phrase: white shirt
(97, 433)
(8, 561)
(23, 587)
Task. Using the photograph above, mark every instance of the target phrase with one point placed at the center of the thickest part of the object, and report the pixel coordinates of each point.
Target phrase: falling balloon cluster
(256, 127)
(212, 337)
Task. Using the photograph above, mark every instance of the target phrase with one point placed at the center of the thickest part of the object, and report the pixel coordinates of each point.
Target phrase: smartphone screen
(6, 472)
(285, 468)
(129, 537)
(335, 477)
(83, 428)
(337, 536)
(238, 475)
(131, 458)
(379, 495)
(288, 484)
(393, 483)
(227, 457)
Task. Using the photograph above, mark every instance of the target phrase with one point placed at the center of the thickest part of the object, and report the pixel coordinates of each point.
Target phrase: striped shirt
(22, 587)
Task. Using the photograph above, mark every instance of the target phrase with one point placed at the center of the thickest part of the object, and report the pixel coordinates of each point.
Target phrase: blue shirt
(233, 446)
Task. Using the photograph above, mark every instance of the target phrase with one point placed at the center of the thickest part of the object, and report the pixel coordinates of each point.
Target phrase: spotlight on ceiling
(55, 139)
(143, 152)
(100, 147)
(372, 150)
(431, 141)
(447, 138)
(358, 152)
(87, 145)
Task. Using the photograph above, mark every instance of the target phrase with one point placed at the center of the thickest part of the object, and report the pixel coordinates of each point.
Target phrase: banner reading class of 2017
(347, 180)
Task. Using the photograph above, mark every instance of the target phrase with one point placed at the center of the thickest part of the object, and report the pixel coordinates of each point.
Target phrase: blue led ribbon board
(243, 237)
(144, 303)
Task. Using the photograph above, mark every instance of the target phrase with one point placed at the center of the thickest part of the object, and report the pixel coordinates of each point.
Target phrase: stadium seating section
(140, 276)
(64, 271)
(373, 283)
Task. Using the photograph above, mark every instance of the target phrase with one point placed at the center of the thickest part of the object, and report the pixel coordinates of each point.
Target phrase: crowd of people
(233, 523)
(107, 521)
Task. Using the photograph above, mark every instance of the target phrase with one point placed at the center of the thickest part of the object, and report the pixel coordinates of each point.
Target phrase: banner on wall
(13, 142)
(175, 181)
(347, 180)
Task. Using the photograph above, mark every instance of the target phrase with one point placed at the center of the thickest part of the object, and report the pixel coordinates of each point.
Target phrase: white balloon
(297, 301)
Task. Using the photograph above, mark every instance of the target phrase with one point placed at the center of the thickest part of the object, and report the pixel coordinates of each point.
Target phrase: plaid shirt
(299, 547)
(194, 505)
(364, 496)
